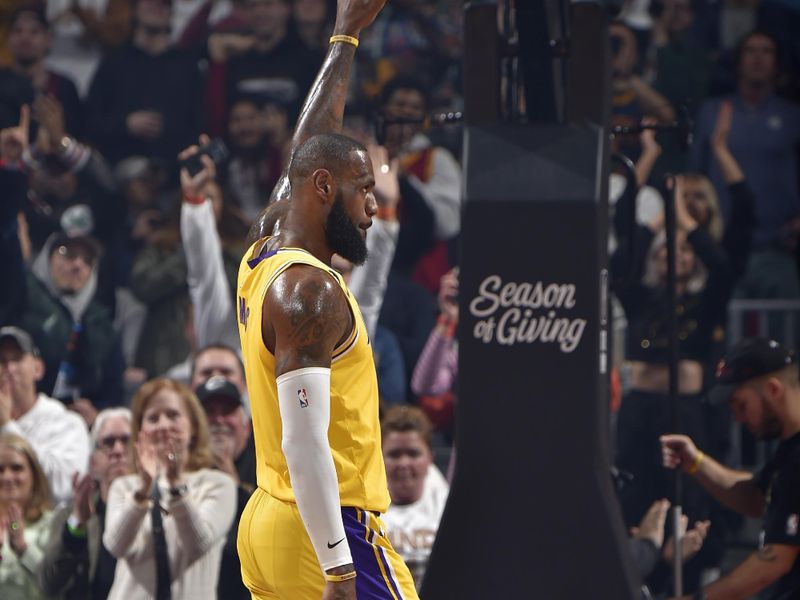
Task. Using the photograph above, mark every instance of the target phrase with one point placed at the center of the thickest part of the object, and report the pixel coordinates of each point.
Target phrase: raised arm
(214, 318)
(323, 110)
(731, 171)
(308, 316)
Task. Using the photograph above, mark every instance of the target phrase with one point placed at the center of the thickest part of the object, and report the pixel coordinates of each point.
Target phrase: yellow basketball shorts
(279, 562)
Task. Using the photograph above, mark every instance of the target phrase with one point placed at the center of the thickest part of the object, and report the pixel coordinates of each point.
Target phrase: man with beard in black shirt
(759, 380)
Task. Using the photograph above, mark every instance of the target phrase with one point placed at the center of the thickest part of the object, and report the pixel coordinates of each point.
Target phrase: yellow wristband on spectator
(347, 39)
(697, 462)
(340, 578)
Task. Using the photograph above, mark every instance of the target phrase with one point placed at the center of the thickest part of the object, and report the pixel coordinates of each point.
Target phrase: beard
(344, 238)
(769, 428)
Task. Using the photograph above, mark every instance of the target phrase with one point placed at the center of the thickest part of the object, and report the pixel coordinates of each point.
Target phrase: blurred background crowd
(118, 274)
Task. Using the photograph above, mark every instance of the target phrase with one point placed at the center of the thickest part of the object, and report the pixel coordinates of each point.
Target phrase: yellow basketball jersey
(354, 433)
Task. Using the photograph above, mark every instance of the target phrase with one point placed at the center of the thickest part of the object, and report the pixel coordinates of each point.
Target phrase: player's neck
(289, 238)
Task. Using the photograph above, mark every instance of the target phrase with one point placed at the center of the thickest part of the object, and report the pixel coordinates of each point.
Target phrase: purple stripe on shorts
(389, 573)
(370, 583)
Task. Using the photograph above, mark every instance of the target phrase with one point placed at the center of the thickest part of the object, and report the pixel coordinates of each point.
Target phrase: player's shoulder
(304, 283)
(303, 291)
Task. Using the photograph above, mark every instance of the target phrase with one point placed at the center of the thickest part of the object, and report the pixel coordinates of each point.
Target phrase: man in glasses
(76, 564)
(137, 102)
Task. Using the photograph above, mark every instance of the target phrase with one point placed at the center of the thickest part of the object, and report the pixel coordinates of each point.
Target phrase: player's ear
(324, 185)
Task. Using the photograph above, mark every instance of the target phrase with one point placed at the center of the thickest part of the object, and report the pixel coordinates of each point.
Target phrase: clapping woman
(167, 523)
(24, 518)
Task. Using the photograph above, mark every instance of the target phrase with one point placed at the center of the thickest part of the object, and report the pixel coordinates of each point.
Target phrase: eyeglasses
(107, 443)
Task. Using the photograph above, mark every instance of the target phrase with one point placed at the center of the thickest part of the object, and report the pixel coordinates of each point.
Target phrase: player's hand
(344, 590)
(354, 15)
(678, 451)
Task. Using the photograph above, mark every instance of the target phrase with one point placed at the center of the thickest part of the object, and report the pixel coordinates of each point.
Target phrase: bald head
(330, 151)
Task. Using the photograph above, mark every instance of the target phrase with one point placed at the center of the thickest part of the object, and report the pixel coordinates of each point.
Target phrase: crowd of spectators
(727, 73)
(119, 266)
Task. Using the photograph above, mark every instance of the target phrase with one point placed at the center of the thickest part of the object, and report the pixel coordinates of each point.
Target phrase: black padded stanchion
(532, 511)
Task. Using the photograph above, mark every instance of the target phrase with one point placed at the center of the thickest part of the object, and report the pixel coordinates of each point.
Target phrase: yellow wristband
(347, 39)
(340, 578)
(697, 462)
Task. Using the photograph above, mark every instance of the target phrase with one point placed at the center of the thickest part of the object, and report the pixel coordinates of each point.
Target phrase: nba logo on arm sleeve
(244, 312)
(302, 397)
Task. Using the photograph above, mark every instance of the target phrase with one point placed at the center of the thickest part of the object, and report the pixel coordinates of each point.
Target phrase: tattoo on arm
(766, 553)
(315, 317)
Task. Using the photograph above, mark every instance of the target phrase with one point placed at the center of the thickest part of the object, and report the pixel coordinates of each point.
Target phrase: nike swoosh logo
(335, 544)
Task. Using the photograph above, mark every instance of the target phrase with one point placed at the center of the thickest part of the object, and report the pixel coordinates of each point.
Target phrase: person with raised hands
(76, 565)
(212, 300)
(25, 518)
(166, 524)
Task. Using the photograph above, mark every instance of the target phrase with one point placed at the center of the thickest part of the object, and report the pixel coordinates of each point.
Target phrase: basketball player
(311, 530)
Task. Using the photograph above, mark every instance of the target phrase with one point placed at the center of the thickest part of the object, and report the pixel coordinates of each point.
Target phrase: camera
(216, 150)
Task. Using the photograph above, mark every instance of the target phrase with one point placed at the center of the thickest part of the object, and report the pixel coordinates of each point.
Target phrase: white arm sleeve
(304, 396)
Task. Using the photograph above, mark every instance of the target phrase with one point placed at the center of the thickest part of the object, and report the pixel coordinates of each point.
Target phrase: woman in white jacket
(197, 504)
